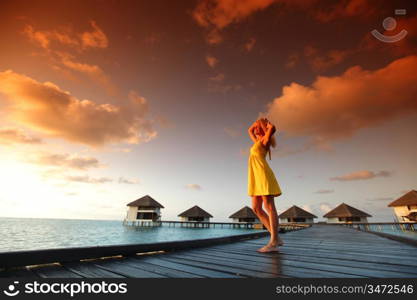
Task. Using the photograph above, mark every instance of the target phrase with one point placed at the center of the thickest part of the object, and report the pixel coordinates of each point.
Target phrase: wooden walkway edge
(44, 256)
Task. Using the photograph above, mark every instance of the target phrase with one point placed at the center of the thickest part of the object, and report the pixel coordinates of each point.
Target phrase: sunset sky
(103, 102)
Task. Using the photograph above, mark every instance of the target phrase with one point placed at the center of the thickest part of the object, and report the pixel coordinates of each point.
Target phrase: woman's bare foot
(268, 248)
(277, 243)
(262, 248)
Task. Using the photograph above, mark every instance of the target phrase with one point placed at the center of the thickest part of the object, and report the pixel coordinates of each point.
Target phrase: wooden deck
(318, 251)
(191, 224)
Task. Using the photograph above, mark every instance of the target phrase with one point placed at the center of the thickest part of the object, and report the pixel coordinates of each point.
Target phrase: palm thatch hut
(405, 207)
(296, 214)
(144, 209)
(346, 214)
(196, 214)
(244, 215)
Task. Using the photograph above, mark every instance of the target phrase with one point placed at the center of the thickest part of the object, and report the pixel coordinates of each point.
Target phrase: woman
(262, 185)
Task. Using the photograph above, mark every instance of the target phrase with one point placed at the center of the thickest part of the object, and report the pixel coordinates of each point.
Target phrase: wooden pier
(318, 251)
(193, 224)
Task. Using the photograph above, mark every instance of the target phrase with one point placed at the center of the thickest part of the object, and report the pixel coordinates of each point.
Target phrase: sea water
(32, 234)
(402, 230)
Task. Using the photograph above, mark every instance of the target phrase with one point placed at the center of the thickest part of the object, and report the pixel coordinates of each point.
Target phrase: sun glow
(24, 192)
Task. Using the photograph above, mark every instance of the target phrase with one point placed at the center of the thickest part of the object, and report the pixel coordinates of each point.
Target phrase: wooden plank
(125, 270)
(307, 248)
(349, 234)
(220, 267)
(201, 271)
(369, 245)
(366, 257)
(284, 270)
(388, 253)
(345, 238)
(269, 266)
(238, 266)
(54, 272)
(323, 264)
(89, 270)
(325, 259)
(381, 255)
(340, 241)
(168, 272)
(319, 231)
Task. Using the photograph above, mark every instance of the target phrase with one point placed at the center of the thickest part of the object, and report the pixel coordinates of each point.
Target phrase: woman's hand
(256, 123)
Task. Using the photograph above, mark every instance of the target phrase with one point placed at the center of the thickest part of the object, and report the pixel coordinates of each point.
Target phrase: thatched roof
(195, 211)
(344, 210)
(146, 201)
(409, 198)
(296, 212)
(245, 212)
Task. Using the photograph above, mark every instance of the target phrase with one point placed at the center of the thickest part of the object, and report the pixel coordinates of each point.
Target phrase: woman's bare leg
(257, 208)
(262, 215)
(275, 241)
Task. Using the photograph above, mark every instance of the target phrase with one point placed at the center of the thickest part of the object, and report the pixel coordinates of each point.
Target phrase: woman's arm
(270, 130)
(250, 131)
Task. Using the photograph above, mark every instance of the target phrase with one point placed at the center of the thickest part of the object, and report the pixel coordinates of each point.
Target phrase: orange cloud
(65, 36)
(193, 186)
(211, 61)
(38, 37)
(64, 160)
(346, 8)
(214, 37)
(321, 62)
(17, 136)
(221, 13)
(250, 44)
(87, 179)
(128, 181)
(292, 60)
(218, 78)
(63, 61)
(49, 109)
(93, 71)
(219, 87)
(217, 14)
(361, 175)
(95, 38)
(337, 107)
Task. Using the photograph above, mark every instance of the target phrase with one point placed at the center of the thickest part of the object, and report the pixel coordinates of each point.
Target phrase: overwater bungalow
(346, 214)
(296, 214)
(405, 207)
(196, 214)
(244, 215)
(145, 209)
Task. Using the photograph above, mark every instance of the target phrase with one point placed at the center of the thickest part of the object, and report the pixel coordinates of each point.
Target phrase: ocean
(404, 230)
(32, 234)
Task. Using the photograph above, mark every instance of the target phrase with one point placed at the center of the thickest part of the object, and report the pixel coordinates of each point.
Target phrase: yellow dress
(261, 179)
